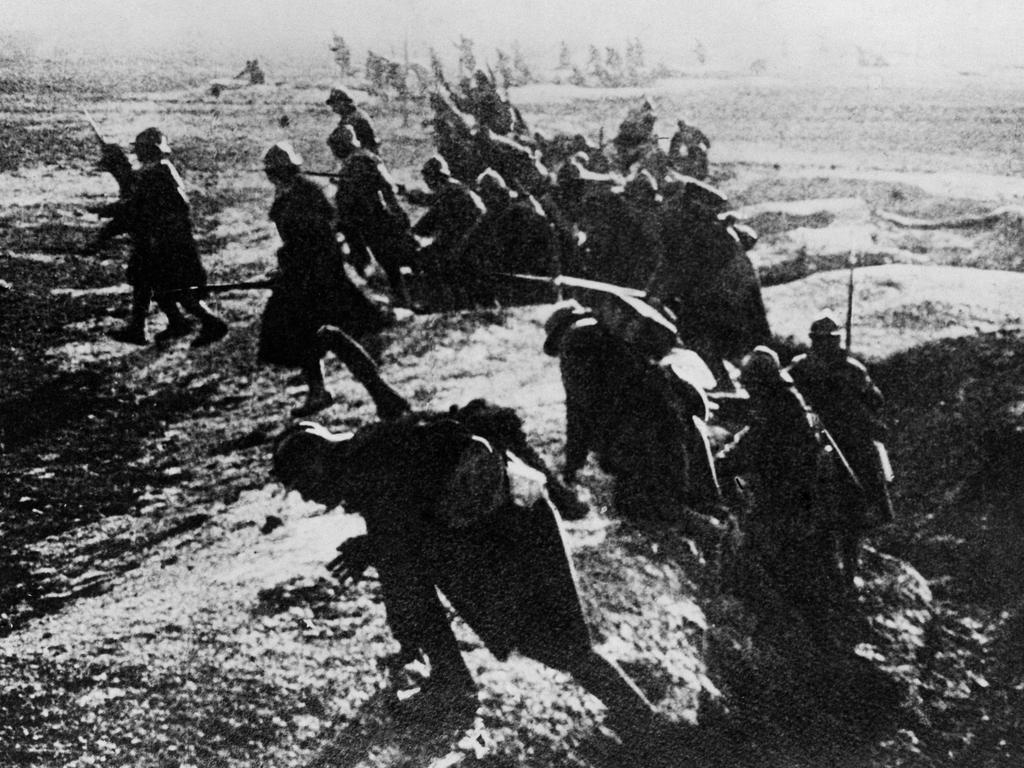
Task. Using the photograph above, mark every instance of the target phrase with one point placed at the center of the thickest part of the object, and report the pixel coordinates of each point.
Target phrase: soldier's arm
(734, 458)
(870, 395)
(577, 441)
(427, 225)
(355, 555)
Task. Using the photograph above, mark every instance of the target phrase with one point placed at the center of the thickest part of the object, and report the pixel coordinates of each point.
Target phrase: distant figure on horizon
(253, 72)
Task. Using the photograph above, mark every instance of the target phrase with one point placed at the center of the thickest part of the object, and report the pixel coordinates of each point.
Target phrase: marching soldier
(164, 262)
(311, 288)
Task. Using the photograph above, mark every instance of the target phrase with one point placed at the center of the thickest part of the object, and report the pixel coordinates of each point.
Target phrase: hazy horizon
(787, 33)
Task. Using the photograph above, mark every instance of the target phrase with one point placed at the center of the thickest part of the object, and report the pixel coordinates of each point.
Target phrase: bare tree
(342, 55)
(523, 72)
(467, 59)
(564, 56)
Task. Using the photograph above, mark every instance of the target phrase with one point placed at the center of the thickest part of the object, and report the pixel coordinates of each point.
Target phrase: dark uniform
(368, 210)
(695, 162)
(513, 236)
(312, 288)
(642, 421)
(842, 393)
(706, 276)
(454, 211)
(350, 114)
(790, 527)
(641, 248)
(440, 515)
(155, 213)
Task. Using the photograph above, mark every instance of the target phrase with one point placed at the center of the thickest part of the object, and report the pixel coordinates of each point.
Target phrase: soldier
(513, 235)
(369, 212)
(695, 162)
(449, 508)
(635, 138)
(343, 106)
(840, 390)
(164, 262)
(483, 101)
(705, 276)
(783, 449)
(311, 288)
(641, 248)
(640, 406)
(253, 72)
(454, 211)
(518, 164)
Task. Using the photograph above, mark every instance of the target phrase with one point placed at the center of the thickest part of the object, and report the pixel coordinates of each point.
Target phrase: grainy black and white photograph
(436, 383)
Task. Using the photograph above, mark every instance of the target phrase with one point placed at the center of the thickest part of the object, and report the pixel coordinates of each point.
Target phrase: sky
(968, 33)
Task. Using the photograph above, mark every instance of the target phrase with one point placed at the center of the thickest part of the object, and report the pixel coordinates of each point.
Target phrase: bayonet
(567, 281)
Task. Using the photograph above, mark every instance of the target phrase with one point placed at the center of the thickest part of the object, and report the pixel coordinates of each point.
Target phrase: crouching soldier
(447, 508)
(639, 403)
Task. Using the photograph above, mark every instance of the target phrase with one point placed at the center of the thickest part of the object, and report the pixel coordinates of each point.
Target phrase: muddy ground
(151, 617)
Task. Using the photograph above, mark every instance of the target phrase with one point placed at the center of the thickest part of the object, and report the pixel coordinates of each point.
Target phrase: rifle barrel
(577, 282)
(221, 287)
(95, 128)
(849, 301)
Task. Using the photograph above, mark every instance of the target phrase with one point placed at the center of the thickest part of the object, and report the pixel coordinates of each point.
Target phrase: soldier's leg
(390, 252)
(317, 396)
(578, 438)
(134, 331)
(389, 403)
(849, 547)
(212, 328)
(418, 620)
(356, 252)
(177, 324)
(629, 710)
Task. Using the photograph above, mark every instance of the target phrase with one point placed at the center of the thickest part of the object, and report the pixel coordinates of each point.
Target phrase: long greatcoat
(312, 288)
(156, 215)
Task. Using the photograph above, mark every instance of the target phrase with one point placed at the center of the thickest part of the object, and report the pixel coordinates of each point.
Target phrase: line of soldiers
(439, 526)
(469, 233)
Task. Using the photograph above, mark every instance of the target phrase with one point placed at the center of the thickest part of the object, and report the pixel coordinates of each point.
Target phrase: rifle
(318, 174)
(221, 287)
(95, 128)
(849, 300)
(577, 282)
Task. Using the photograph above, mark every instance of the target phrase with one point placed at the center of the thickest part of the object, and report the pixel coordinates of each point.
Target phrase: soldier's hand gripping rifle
(113, 159)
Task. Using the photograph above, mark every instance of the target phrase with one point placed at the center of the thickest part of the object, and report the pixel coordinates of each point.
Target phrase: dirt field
(147, 621)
